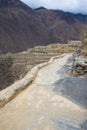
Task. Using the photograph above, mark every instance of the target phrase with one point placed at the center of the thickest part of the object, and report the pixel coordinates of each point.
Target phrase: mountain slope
(20, 27)
(61, 26)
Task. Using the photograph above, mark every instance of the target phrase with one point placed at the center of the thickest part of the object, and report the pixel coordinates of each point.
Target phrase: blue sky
(75, 6)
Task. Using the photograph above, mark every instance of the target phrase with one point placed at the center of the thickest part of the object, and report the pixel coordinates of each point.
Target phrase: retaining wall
(9, 93)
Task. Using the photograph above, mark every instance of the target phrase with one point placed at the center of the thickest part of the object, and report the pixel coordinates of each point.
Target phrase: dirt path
(40, 108)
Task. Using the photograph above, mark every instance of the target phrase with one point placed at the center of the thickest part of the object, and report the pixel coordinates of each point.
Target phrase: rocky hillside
(62, 26)
(22, 27)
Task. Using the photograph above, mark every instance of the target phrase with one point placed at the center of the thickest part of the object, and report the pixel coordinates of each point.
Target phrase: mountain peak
(40, 8)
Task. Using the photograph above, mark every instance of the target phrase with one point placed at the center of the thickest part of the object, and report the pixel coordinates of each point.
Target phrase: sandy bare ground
(39, 107)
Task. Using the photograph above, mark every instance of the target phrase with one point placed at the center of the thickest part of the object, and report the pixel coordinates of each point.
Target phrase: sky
(74, 6)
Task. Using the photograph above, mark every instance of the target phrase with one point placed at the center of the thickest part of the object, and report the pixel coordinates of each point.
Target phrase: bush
(6, 77)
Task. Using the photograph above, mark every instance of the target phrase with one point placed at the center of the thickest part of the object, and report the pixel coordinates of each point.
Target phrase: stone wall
(9, 93)
(80, 67)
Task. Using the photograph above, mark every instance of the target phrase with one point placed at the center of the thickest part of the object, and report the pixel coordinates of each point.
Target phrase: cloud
(75, 6)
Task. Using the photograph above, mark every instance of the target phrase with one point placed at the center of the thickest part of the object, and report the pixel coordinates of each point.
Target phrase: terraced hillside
(24, 61)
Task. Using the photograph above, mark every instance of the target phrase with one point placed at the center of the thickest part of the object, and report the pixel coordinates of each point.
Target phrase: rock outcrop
(80, 67)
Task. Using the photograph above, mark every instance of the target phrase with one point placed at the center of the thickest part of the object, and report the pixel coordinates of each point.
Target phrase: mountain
(22, 27)
(62, 26)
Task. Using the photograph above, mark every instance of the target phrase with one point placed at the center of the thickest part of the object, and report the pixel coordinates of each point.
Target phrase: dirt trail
(40, 108)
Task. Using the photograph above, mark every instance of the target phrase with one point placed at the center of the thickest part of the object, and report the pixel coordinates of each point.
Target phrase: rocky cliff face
(22, 27)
